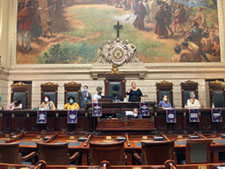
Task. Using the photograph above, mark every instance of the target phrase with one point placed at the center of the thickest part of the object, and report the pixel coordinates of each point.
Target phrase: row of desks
(132, 143)
(205, 166)
(15, 121)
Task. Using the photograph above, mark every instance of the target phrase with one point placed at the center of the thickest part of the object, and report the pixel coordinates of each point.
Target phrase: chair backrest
(217, 93)
(53, 154)
(112, 152)
(198, 151)
(157, 152)
(9, 153)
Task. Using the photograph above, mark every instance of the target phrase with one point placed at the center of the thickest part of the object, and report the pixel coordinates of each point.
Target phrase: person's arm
(160, 104)
(52, 105)
(197, 104)
(77, 107)
(20, 106)
(140, 92)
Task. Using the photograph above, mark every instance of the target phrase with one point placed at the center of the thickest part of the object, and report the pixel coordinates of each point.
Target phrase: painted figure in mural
(153, 8)
(186, 54)
(21, 5)
(26, 25)
(37, 31)
(168, 16)
(147, 16)
(178, 17)
(160, 28)
(196, 37)
(140, 12)
(200, 19)
(176, 57)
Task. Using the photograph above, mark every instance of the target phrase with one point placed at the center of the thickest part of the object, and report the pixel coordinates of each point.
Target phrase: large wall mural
(71, 31)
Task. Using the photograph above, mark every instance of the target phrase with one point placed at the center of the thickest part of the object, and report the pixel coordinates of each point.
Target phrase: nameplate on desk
(72, 168)
(108, 137)
(193, 115)
(71, 137)
(179, 136)
(145, 137)
(216, 115)
(202, 167)
(38, 136)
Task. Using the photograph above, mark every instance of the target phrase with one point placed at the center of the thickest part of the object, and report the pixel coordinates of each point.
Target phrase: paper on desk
(221, 167)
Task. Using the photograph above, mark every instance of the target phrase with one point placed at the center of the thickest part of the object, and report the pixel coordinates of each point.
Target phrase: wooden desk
(187, 166)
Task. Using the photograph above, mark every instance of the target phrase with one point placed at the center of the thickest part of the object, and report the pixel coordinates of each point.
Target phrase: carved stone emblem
(118, 52)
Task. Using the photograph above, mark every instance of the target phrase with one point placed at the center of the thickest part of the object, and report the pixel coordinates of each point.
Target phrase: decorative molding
(19, 84)
(189, 82)
(49, 84)
(217, 83)
(164, 83)
(114, 70)
(72, 84)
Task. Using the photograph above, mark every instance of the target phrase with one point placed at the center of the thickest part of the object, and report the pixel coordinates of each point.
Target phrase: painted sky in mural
(65, 31)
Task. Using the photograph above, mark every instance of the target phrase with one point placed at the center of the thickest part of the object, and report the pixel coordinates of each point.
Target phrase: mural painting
(71, 31)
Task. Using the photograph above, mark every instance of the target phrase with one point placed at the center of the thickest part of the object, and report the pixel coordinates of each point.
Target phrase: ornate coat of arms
(118, 52)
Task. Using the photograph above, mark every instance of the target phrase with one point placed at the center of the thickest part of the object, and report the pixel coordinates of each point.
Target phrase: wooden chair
(9, 153)
(55, 154)
(155, 152)
(50, 89)
(111, 152)
(21, 91)
(217, 93)
(115, 77)
(198, 151)
(164, 88)
(72, 89)
(186, 88)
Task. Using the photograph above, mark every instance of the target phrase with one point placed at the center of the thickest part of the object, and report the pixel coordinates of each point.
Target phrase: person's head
(17, 102)
(165, 98)
(177, 49)
(205, 34)
(133, 85)
(195, 24)
(192, 95)
(99, 90)
(185, 44)
(135, 111)
(46, 98)
(71, 99)
(85, 88)
(115, 88)
(28, 3)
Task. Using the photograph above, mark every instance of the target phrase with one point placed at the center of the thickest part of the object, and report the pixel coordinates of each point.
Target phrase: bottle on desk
(213, 105)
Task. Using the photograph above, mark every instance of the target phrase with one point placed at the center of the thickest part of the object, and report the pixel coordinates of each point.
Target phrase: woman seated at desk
(47, 104)
(164, 103)
(15, 105)
(134, 93)
(192, 103)
(72, 105)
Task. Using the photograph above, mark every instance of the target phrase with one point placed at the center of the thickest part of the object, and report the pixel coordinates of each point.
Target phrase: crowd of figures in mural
(66, 31)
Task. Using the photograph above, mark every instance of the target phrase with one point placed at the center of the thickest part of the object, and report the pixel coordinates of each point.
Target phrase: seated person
(85, 97)
(164, 103)
(71, 105)
(116, 97)
(15, 105)
(47, 104)
(134, 93)
(98, 95)
(193, 103)
(136, 114)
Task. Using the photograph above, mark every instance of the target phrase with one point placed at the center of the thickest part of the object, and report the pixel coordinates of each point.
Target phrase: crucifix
(118, 27)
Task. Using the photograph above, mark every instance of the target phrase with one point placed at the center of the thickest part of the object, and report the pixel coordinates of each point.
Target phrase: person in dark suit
(85, 97)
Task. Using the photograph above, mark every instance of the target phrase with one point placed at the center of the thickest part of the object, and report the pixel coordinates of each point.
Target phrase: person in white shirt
(15, 105)
(193, 103)
(98, 95)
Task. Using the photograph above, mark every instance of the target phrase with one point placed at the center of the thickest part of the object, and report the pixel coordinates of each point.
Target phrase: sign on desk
(41, 117)
(171, 116)
(216, 115)
(96, 110)
(72, 117)
(194, 116)
(144, 109)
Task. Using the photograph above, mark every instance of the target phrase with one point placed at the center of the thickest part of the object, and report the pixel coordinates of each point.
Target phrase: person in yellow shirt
(71, 105)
